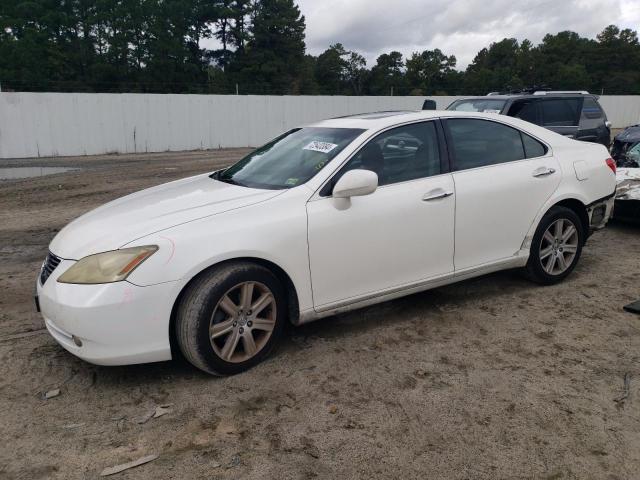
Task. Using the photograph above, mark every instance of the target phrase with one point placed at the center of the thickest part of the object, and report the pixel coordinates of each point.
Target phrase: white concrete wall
(621, 110)
(56, 124)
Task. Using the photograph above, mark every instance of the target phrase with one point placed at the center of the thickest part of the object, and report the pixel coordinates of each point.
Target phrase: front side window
(479, 143)
(486, 105)
(289, 160)
(398, 155)
(560, 112)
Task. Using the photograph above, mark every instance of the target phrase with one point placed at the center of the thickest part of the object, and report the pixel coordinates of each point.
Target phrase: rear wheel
(556, 246)
(230, 318)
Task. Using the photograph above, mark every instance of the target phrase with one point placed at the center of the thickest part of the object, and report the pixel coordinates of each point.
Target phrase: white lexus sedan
(326, 218)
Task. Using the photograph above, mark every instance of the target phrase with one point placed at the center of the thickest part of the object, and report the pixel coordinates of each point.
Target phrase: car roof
(512, 96)
(380, 120)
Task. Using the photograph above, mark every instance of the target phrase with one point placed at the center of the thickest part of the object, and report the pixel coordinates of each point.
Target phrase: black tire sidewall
(208, 296)
(534, 265)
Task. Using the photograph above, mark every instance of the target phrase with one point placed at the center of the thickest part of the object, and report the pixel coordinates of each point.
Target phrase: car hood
(629, 134)
(628, 184)
(142, 213)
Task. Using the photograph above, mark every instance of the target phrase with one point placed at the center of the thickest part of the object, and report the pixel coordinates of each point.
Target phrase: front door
(399, 235)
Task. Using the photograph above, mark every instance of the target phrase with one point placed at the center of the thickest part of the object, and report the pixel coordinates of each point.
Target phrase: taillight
(611, 164)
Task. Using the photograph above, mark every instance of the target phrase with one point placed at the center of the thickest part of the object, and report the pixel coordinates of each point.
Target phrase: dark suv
(574, 114)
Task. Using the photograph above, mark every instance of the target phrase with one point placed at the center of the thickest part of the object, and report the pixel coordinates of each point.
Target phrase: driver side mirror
(356, 183)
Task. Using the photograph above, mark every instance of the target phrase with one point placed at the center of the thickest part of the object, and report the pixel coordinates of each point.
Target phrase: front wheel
(230, 318)
(556, 246)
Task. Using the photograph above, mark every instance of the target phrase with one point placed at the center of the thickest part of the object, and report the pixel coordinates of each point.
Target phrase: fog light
(76, 340)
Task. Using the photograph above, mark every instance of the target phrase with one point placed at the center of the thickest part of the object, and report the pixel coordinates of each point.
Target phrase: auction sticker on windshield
(323, 147)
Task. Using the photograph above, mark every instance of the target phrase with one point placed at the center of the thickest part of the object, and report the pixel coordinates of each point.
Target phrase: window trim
(449, 140)
(443, 151)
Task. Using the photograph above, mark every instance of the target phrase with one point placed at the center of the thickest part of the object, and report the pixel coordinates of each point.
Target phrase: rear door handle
(435, 194)
(543, 172)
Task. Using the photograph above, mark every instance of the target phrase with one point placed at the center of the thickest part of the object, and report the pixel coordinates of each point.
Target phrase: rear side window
(478, 143)
(591, 109)
(560, 112)
(532, 147)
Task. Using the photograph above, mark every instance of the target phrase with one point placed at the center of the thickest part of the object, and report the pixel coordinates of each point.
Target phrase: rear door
(502, 178)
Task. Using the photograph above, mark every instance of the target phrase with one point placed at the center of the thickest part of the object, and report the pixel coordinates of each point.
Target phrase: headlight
(107, 267)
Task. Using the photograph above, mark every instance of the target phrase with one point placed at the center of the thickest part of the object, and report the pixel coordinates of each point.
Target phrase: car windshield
(478, 105)
(289, 160)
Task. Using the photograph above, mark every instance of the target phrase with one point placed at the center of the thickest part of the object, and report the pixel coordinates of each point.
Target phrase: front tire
(556, 246)
(230, 318)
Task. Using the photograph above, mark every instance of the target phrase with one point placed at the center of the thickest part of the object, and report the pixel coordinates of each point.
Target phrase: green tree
(154, 46)
(329, 70)
(274, 53)
(427, 72)
(499, 67)
(614, 61)
(355, 72)
(387, 75)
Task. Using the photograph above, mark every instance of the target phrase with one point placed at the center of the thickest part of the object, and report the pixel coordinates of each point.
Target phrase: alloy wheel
(559, 246)
(242, 322)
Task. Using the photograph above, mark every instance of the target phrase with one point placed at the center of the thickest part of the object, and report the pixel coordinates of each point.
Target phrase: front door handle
(436, 194)
(543, 172)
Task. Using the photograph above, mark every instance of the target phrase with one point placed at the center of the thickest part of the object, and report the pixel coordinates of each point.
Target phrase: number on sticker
(323, 147)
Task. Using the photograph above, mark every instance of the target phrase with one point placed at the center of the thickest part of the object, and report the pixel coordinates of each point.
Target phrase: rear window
(560, 112)
(486, 105)
(591, 109)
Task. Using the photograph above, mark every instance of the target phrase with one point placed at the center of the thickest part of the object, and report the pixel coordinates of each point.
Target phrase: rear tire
(556, 246)
(230, 318)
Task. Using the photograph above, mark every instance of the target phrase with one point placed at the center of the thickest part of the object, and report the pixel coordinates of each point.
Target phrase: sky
(456, 27)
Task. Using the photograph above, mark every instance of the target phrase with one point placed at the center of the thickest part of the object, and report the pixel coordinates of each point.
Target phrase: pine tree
(273, 60)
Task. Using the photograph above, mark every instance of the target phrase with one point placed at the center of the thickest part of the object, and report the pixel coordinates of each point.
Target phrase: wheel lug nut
(249, 323)
(241, 330)
(248, 312)
(235, 324)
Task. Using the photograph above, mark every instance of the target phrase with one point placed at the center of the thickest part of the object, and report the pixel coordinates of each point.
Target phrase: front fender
(274, 231)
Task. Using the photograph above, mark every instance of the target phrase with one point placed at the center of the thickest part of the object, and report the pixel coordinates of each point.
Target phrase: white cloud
(459, 28)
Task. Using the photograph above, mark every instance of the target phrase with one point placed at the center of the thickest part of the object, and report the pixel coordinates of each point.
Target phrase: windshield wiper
(218, 176)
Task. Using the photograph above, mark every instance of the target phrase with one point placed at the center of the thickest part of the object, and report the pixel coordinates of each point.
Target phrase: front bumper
(113, 324)
(627, 211)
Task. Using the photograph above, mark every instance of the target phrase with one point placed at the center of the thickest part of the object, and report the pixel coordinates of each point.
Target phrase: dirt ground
(493, 378)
